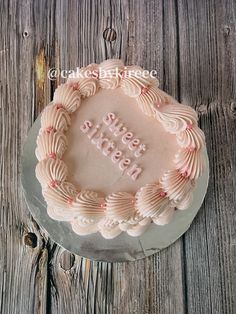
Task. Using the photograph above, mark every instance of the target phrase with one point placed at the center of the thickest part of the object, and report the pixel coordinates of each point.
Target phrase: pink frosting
(89, 212)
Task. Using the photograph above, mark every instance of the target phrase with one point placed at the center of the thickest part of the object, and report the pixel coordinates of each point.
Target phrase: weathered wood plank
(208, 259)
(207, 48)
(207, 45)
(23, 258)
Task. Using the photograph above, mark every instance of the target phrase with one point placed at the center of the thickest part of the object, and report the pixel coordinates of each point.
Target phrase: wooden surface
(192, 44)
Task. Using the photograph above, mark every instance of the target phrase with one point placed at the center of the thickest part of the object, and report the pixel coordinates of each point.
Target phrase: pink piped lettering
(134, 172)
(127, 137)
(86, 126)
(109, 118)
(124, 164)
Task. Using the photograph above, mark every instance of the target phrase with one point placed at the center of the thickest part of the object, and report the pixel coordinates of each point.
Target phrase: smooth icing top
(95, 163)
(89, 211)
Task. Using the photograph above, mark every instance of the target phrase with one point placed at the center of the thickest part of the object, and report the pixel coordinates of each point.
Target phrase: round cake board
(95, 247)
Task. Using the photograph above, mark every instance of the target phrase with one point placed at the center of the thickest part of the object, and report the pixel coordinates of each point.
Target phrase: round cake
(115, 153)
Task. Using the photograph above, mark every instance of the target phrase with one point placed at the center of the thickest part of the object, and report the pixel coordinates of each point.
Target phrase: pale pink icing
(85, 80)
(120, 206)
(176, 185)
(91, 71)
(108, 147)
(134, 79)
(193, 137)
(191, 161)
(57, 214)
(90, 205)
(51, 144)
(148, 98)
(86, 87)
(175, 118)
(85, 161)
(111, 80)
(61, 198)
(67, 96)
(151, 200)
(89, 212)
(50, 172)
(58, 118)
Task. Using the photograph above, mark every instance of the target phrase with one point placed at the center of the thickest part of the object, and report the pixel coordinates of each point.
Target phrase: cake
(116, 153)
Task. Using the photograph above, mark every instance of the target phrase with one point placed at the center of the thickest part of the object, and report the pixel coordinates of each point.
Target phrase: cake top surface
(116, 153)
(90, 169)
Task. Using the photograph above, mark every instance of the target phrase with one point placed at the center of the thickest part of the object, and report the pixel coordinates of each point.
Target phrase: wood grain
(192, 45)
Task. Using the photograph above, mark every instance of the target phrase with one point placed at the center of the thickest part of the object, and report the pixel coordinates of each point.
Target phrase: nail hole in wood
(109, 34)
(226, 30)
(233, 108)
(202, 109)
(30, 239)
(25, 34)
(67, 260)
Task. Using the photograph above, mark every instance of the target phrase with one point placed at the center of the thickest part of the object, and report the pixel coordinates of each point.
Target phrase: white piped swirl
(84, 227)
(151, 200)
(108, 228)
(165, 217)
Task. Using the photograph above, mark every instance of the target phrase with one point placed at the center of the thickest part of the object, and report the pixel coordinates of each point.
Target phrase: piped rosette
(68, 97)
(135, 79)
(134, 220)
(191, 137)
(90, 207)
(178, 187)
(152, 201)
(190, 161)
(139, 84)
(61, 198)
(120, 206)
(51, 144)
(110, 73)
(83, 226)
(85, 81)
(148, 99)
(51, 172)
(176, 118)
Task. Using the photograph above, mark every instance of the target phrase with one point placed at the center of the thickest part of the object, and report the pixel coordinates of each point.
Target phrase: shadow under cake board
(95, 247)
